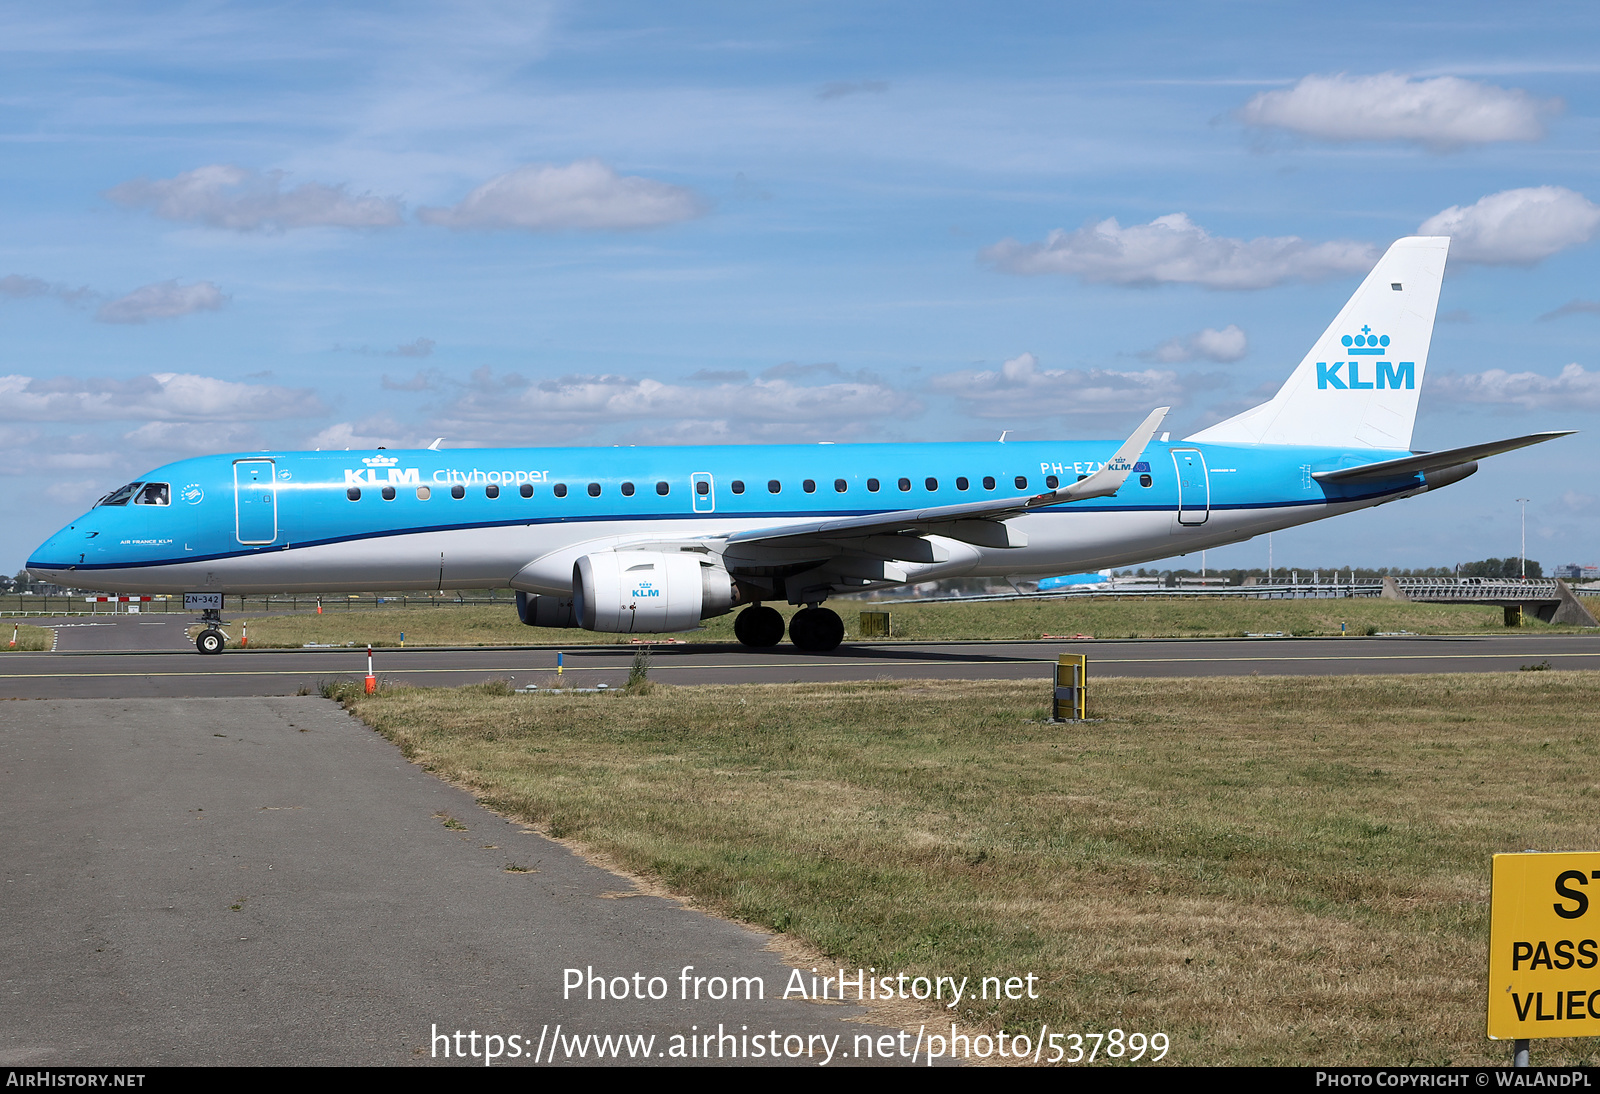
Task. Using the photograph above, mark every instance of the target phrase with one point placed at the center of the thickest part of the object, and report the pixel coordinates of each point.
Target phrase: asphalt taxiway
(133, 656)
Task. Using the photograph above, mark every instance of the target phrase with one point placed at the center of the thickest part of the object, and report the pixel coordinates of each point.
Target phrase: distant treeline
(1489, 567)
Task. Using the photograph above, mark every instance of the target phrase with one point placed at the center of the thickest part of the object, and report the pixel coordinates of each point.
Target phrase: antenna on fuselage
(434, 447)
(1003, 433)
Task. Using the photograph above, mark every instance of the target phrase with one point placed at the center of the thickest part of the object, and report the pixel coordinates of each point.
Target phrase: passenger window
(354, 493)
(388, 493)
(872, 486)
(1145, 480)
(491, 491)
(931, 484)
(809, 486)
(154, 493)
(458, 491)
(840, 486)
(627, 489)
(1051, 482)
(737, 486)
(594, 490)
(526, 489)
(662, 488)
(424, 493)
(1022, 482)
(962, 483)
(774, 486)
(561, 490)
(905, 484)
(988, 482)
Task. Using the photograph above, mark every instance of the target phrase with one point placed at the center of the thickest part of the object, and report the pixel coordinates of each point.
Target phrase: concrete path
(267, 881)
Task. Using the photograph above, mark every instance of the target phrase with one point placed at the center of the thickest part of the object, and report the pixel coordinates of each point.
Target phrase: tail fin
(1358, 386)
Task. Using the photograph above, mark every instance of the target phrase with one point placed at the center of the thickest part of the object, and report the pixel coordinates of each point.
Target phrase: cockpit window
(119, 497)
(154, 493)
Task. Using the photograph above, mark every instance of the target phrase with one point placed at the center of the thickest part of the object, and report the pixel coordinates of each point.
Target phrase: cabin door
(1194, 486)
(255, 501)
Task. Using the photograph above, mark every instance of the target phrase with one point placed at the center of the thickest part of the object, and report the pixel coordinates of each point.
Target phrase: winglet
(1105, 482)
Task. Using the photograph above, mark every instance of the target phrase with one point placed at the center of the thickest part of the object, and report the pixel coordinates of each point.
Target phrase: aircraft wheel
(759, 627)
(816, 630)
(210, 641)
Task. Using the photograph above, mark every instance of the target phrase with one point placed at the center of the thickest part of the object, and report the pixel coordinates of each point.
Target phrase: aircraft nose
(57, 555)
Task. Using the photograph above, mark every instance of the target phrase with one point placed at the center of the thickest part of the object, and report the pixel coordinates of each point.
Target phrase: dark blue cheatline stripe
(804, 513)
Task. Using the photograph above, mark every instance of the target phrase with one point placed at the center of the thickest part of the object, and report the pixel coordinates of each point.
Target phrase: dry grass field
(1101, 617)
(1269, 870)
(28, 638)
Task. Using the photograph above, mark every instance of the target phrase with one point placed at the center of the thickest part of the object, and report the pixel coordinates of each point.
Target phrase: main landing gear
(211, 639)
(759, 627)
(813, 629)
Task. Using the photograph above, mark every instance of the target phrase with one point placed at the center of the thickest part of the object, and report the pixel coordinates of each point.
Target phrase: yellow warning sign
(1544, 957)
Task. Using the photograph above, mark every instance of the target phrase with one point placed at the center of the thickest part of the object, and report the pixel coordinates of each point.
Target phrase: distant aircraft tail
(1358, 386)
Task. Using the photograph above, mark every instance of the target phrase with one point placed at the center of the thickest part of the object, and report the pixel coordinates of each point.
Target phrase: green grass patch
(1269, 870)
(1102, 617)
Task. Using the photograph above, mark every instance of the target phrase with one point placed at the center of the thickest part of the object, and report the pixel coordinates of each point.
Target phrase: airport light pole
(1524, 503)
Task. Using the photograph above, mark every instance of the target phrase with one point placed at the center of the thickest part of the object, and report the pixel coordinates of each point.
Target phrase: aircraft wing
(972, 522)
(1434, 461)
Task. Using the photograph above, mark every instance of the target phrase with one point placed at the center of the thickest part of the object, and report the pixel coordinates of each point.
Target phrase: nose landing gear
(211, 639)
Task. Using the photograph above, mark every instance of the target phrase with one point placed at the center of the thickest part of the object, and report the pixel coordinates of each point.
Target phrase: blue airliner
(648, 540)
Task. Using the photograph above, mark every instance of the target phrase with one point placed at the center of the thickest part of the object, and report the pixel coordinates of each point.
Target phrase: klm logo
(396, 476)
(1384, 374)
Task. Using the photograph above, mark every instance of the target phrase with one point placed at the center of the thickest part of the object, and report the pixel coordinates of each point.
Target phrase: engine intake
(648, 592)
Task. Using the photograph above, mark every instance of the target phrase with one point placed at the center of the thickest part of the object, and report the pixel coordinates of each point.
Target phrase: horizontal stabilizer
(1434, 461)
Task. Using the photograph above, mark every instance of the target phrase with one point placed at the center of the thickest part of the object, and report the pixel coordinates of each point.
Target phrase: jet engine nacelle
(646, 592)
(546, 611)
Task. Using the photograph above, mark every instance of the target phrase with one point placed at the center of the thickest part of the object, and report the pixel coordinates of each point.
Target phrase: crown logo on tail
(1366, 344)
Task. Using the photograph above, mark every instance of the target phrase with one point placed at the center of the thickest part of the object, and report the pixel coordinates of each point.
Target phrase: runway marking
(801, 664)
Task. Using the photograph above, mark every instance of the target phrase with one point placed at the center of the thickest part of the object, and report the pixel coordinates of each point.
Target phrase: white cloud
(422, 347)
(223, 196)
(584, 194)
(162, 300)
(1173, 249)
(1019, 389)
(1516, 227)
(841, 88)
(765, 408)
(380, 430)
(20, 286)
(1444, 112)
(1222, 346)
(1575, 388)
(1575, 306)
(183, 437)
(162, 396)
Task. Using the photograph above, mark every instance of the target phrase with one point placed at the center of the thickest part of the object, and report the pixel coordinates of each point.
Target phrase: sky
(234, 227)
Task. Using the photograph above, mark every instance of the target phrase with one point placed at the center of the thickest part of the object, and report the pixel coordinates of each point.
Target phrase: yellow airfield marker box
(1544, 945)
